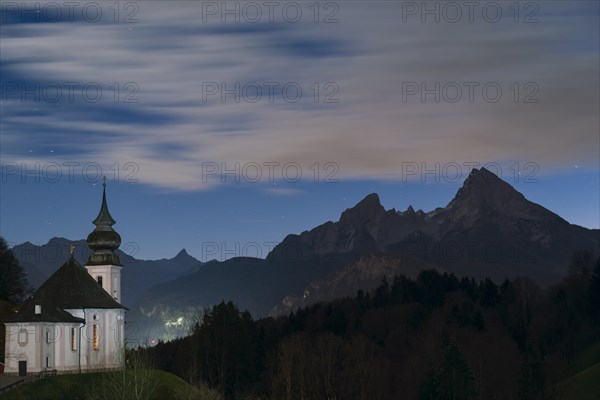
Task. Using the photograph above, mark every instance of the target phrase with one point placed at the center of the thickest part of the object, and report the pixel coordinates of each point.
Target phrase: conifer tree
(593, 293)
(13, 280)
(453, 380)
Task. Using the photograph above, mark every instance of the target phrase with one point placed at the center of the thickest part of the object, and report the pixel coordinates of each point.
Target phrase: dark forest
(438, 336)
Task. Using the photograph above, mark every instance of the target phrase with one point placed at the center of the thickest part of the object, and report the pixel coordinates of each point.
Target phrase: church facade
(74, 321)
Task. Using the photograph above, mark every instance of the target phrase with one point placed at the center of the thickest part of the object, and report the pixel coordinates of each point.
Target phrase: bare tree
(526, 294)
(326, 367)
(134, 381)
(330, 349)
(581, 264)
(199, 392)
(364, 369)
(289, 381)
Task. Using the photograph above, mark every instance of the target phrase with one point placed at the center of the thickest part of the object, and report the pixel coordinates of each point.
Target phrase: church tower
(104, 265)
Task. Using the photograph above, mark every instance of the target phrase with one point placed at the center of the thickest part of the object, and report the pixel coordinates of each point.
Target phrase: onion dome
(104, 240)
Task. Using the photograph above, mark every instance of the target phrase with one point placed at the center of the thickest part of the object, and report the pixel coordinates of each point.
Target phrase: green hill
(161, 385)
(587, 358)
(581, 386)
(584, 383)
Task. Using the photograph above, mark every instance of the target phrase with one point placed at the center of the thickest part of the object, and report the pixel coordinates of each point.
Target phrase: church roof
(70, 287)
(48, 314)
(104, 219)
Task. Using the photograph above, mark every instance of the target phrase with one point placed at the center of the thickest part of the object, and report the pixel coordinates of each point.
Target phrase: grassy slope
(587, 358)
(69, 387)
(581, 386)
(584, 383)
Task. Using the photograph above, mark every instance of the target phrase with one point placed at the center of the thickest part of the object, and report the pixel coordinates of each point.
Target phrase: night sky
(319, 104)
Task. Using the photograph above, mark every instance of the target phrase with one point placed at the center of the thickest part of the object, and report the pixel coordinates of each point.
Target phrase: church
(74, 321)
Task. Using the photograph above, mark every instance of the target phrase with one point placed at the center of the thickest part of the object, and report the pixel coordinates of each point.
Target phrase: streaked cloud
(364, 61)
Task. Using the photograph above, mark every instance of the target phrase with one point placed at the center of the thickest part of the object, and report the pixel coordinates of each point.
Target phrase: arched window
(96, 339)
(99, 280)
(73, 339)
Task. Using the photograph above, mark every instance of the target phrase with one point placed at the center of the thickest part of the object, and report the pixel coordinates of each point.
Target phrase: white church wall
(50, 345)
(65, 350)
(23, 342)
(50, 334)
(33, 342)
(104, 348)
(71, 345)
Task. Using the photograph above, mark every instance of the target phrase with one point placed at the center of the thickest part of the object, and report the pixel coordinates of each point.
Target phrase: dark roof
(48, 314)
(70, 287)
(104, 219)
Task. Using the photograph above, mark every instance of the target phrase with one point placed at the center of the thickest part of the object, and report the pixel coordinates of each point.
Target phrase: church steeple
(104, 240)
(104, 218)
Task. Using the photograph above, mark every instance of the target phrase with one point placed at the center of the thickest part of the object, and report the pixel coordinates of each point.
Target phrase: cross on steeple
(104, 181)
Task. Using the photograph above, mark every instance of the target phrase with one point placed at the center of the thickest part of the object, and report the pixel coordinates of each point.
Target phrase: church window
(48, 336)
(96, 339)
(73, 340)
(23, 337)
(99, 280)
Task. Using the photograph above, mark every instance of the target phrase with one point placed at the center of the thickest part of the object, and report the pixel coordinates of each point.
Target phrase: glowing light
(177, 322)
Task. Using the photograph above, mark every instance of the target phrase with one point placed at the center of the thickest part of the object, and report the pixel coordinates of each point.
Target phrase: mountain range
(488, 229)
(41, 261)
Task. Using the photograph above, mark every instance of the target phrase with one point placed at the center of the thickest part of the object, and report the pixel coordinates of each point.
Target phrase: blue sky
(167, 94)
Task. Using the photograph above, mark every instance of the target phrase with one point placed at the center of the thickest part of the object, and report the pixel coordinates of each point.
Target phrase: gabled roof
(49, 314)
(70, 287)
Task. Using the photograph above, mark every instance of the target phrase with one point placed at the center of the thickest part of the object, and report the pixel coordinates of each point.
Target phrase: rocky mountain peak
(481, 177)
(182, 253)
(370, 200)
(184, 258)
(483, 187)
(369, 208)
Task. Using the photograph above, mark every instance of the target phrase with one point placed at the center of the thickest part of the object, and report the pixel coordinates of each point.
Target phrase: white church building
(74, 321)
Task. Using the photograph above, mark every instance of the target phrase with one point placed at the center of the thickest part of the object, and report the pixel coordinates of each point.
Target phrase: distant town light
(177, 322)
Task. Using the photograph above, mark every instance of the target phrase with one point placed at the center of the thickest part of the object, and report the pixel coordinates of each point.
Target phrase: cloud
(365, 62)
(282, 191)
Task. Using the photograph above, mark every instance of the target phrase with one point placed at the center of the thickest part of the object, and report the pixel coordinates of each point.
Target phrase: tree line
(434, 337)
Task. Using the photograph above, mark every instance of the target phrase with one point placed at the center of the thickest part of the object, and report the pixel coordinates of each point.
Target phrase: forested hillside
(434, 337)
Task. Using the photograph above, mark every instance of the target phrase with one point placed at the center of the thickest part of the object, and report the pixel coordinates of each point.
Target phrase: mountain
(501, 233)
(487, 230)
(364, 274)
(41, 261)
